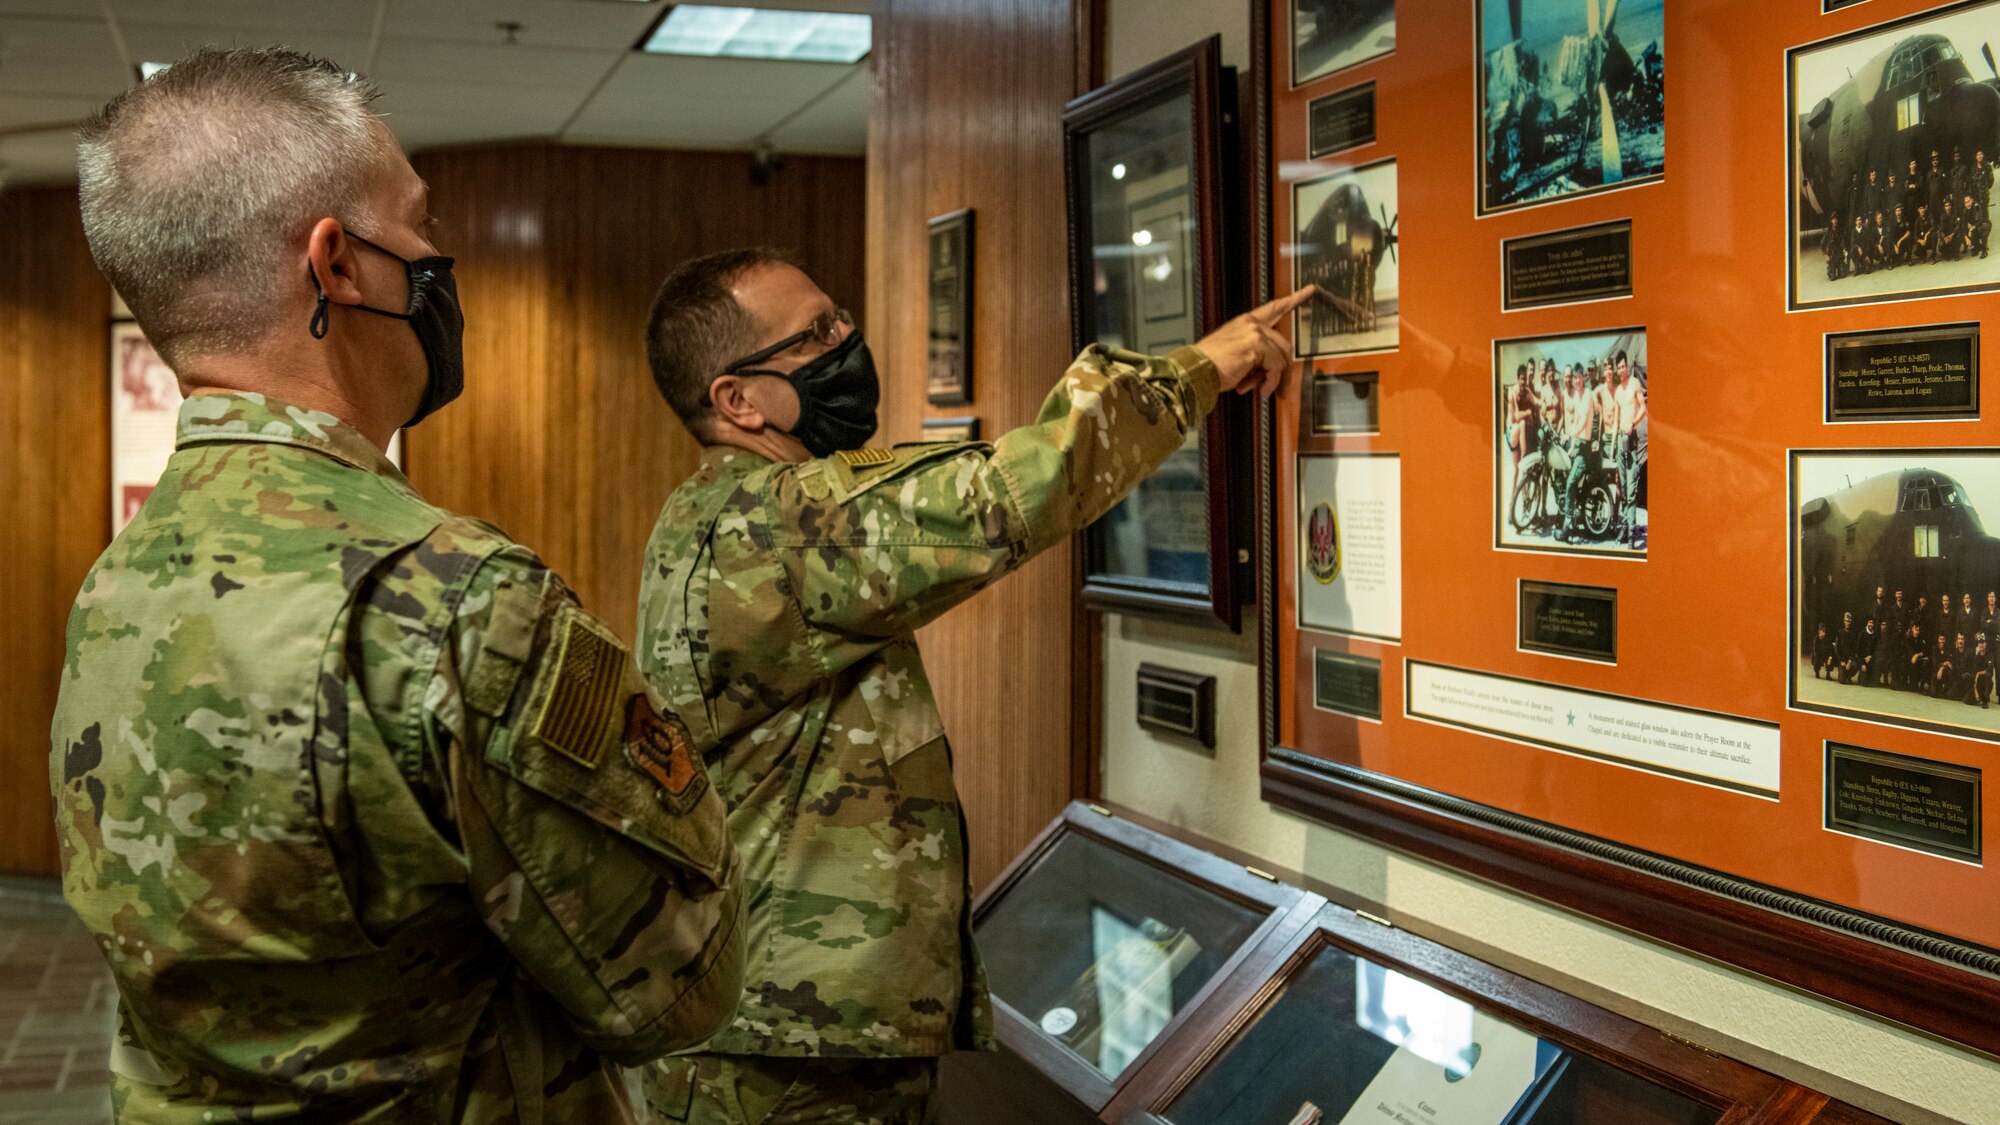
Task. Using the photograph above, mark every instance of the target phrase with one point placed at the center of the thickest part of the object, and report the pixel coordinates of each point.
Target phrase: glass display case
(1148, 161)
(1102, 937)
(1140, 979)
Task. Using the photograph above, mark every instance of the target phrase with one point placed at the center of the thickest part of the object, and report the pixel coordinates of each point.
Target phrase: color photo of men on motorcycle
(1570, 437)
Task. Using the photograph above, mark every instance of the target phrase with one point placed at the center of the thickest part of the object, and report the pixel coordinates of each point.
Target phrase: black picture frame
(949, 269)
(1206, 185)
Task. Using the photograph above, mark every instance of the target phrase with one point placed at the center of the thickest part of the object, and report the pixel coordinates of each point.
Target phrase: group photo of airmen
(1925, 211)
(1591, 413)
(373, 820)
(1947, 648)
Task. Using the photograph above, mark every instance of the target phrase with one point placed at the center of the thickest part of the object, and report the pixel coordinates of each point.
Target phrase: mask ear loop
(317, 326)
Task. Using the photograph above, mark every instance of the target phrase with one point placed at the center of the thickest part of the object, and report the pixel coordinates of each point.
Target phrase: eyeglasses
(824, 329)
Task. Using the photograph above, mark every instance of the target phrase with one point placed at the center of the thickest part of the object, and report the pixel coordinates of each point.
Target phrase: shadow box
(1744, 705)
(1102, 936)
(1149, 163)
(1140, 980)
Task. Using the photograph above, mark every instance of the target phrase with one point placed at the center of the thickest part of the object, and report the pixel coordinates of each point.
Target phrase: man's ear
(730, 397)
(330, 255)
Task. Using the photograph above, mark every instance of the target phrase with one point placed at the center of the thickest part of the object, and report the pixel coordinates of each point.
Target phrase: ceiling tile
(544, 23)
(432, 61)
(838, 125)
(54, 57)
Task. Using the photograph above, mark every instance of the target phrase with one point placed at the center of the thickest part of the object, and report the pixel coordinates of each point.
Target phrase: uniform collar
(235, 416)
(719, 459)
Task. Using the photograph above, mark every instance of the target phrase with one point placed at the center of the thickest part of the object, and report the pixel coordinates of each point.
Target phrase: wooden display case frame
(1288, 911)
(1216, 260)
(1936, 984)
(1741, 1094)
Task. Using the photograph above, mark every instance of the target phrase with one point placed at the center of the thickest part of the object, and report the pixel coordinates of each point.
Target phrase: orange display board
(1734, 412)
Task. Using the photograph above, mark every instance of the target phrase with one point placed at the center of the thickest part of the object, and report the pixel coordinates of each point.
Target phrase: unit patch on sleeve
(659, 746)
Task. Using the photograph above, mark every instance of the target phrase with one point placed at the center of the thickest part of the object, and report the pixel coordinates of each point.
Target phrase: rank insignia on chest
(660, 747)
(865, 458)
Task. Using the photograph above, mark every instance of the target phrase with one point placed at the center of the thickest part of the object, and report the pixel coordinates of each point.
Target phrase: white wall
(1882, 1068)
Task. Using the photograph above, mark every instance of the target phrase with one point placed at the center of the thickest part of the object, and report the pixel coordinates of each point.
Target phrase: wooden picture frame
(1178, 548)
(1891, 968)
(950, 249)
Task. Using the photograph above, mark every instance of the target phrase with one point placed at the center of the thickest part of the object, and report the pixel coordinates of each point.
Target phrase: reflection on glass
(1144, 263)
(1101, 948)
(1347, 1042)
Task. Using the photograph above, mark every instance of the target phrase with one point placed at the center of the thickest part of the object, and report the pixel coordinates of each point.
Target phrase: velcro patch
(659, 746)
(865, 458)
(584, 698)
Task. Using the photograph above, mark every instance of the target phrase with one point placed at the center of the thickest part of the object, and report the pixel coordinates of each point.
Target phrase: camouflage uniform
(776, 617)
(372, 822)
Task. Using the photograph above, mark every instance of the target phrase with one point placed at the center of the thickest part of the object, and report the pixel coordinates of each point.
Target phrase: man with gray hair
(371, 820)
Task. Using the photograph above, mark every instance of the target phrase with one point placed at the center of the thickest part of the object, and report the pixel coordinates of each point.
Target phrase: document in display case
(1141, 979)
(1101, 937)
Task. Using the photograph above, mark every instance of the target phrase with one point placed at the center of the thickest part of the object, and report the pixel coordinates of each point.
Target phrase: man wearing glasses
(783, 584)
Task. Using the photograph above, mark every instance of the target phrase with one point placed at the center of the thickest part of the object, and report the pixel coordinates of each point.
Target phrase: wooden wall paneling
(561, 438)
(55, 415)
(640, 213)
(946, 134)
(491, 454)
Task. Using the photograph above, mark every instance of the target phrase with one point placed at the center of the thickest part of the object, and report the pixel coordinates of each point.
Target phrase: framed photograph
(1570, 450)
(1572, 98)
(1893, 131)
(1147, 259)
(1344, 241)
(1329, 36)
(145, 414)
(949, 376)
(1896, 587)
(951, 429)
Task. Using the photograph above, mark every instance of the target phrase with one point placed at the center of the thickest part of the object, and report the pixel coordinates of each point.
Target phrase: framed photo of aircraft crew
(1892, 135)
(1344, 241)
(1146, 181)
(1572, 98)
(1896, 587)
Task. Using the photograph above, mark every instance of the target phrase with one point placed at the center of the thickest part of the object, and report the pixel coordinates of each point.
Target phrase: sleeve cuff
(1199, 370)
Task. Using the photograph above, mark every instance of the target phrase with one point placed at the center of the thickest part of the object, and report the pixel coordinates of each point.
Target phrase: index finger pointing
(1268, 315)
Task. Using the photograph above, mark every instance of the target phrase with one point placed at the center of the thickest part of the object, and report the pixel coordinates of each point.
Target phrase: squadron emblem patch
(659, 746)
(1323, 544)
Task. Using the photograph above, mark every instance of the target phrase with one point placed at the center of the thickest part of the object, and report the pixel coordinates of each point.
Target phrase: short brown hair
(697, 327)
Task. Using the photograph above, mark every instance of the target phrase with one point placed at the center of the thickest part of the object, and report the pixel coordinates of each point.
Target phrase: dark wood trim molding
(1925, 981)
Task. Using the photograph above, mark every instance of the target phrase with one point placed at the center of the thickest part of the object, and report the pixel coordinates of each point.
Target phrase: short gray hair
(196, 181)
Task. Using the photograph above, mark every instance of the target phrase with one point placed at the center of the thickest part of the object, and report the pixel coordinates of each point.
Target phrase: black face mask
(433, 315)
(838, 394)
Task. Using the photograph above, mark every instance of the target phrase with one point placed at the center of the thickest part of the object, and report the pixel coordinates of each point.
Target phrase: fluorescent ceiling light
(761, 33)
(148, 69)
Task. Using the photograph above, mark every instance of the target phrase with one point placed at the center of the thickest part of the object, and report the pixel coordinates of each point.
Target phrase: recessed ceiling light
(148, 69)
(761, 33)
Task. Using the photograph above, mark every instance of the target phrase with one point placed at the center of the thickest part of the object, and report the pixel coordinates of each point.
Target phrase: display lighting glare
(148, 69)
(1117, 171)
(762, 33)
(1142, 237)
